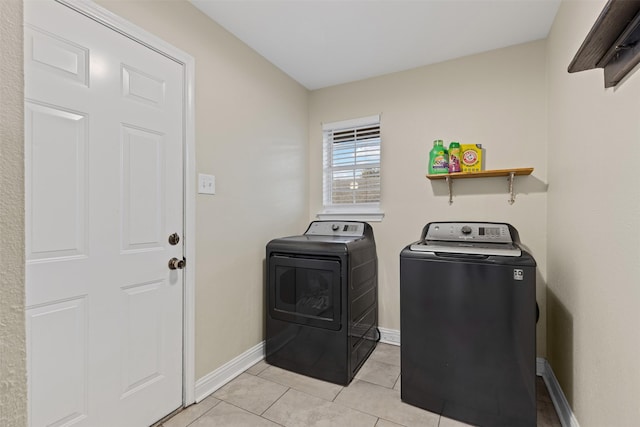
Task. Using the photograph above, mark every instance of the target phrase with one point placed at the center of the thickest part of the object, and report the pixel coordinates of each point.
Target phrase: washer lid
(470, 248)
(469, 238)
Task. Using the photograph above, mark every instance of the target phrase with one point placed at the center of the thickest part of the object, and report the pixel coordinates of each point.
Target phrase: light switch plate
(206, 184)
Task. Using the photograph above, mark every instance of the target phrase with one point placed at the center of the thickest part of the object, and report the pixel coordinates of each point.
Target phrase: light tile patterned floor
(265, 395)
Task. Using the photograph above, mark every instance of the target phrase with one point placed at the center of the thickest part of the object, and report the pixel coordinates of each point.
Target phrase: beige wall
(594, 230)
(251, 133)
(13, 385)
(497, 99)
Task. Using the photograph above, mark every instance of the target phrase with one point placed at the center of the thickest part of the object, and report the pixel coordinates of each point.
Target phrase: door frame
(137, 34)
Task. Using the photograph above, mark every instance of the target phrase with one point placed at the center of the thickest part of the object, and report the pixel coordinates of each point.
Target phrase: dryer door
(305, 291)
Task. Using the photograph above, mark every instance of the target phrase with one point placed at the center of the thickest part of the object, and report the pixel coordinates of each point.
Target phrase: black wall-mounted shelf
(613, 42)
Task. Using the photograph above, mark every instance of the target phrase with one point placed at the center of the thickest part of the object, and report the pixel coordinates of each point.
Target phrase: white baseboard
(216, 379)
(389, 336)
(566, 415)
(541, 366)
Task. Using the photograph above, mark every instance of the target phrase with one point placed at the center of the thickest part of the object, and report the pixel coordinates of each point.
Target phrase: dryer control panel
(469, 231)
(336, 228)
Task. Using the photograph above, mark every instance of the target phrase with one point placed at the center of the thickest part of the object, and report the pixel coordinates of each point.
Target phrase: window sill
(351, 215)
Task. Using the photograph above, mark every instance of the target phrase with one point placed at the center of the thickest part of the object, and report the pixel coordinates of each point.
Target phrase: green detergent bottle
(438, 158)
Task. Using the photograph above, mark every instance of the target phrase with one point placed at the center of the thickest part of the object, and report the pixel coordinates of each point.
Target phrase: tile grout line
(360, 411)
(274, 402)
(396, 383)
(252, 413)
(393, 422)
(339, 393)
(302, 391)
(328, 401)
(205, 412)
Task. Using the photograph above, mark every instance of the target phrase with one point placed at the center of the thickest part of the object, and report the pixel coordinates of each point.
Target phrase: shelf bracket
(450, 185)
(512, 196)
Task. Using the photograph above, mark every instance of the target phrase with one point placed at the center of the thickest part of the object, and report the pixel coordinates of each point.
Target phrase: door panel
(142, 87)
(142, 188)
(56, 55)
(57, 355)
(56, 224)
(142, 336)
(104, 189)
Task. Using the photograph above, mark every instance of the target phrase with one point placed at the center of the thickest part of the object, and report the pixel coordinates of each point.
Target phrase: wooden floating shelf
(509, 173)
(483, 174)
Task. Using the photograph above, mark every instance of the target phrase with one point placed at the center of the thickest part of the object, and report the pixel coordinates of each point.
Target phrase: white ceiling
(322, 43)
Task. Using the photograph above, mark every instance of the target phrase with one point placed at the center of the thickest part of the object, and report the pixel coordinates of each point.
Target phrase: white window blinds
(352, 163)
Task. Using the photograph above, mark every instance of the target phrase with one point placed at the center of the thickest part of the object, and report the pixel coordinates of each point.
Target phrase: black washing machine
(467, 324)
(322, 300)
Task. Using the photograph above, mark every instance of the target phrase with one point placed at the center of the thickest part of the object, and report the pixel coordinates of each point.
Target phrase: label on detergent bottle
(438, 158)
(454, 157)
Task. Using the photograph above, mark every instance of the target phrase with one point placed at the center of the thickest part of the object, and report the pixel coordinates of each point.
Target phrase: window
(351, 168)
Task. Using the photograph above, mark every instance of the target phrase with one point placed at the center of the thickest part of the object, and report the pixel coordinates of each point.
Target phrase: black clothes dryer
(322, 300)
(467, 324)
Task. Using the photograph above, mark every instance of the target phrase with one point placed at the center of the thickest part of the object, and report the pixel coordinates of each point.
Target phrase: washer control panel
(473, 231)
(335, 228)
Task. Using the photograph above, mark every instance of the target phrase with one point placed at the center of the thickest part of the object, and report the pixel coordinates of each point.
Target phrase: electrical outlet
(206, 184)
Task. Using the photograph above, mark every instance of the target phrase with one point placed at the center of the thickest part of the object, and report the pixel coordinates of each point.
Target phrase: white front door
(104, 133)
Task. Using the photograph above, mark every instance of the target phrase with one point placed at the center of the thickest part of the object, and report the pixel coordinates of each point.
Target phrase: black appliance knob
(335, 227)
(466, 229)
